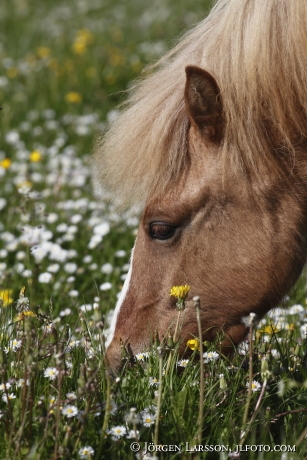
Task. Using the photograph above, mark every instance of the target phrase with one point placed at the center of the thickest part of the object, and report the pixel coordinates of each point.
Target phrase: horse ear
(203, 103)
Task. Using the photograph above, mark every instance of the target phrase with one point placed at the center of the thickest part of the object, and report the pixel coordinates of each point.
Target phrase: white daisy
(69, 411)
(51, 373)
(86, 452)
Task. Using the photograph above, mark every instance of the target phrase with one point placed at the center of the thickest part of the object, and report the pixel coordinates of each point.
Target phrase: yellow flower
(84, 38)
(6, 163)
(271, 329)
(180, 292)
(43, 52)
(193, 344)
(24, 314)
(79, 47)
(12, 72)
(5, 297)
(73, 97)
(35, 156)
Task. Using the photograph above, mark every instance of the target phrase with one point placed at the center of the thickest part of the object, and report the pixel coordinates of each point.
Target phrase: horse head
(236, 240)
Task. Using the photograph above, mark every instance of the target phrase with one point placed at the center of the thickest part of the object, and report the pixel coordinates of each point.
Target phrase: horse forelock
(257, 51)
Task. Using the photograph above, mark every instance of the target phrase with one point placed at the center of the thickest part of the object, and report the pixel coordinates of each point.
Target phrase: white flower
(117, 431)
(112, 407)
(142, 356)
(71, 395)
(51, 373)
(133, 434)
(5, 386)
(120, 253)
(101, 229)
(148, 418)
(52, 217)
(2, 203)
(105, 286)
(210, 356)
(69, 411)
(255, 385)
(182, 362)
(65, 312)
(62, 228)
(21, 383)
(107, 268)
(53, 268)
(86, 307)
(44, 277)
(153, 382)
(7, 397)
(12, 137)
(86, 452)
(73, 293)
(76, 218)
(15, 344)
(296, 309)
(73, 344)
(70, 267)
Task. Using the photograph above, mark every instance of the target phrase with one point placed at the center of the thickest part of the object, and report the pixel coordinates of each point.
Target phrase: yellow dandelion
(78, 47)
(12, 72)
(85, 36)
(271, 329)
(23, 315)
(83, 39)
(73, 97)
(5, 297)
(180, 292)
(91, 72)
(193, 344)
(6, 163)
(35, 156)
(43, 52)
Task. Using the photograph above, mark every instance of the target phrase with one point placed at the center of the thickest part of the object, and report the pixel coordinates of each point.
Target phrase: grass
(64, 257)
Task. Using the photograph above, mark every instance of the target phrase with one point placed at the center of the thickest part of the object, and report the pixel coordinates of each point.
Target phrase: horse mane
(257, 51)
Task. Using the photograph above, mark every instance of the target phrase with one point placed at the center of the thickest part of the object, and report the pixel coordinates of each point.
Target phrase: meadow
(64, 256)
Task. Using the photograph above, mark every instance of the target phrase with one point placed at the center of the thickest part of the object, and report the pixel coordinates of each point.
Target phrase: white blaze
(119, 303)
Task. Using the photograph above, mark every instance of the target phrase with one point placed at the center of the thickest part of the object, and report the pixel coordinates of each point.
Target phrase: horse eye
(161, 230)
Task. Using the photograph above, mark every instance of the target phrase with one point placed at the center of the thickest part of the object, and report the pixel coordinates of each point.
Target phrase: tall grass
(64, 257)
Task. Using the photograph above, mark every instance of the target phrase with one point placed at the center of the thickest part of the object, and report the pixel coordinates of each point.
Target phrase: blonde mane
(257, 51)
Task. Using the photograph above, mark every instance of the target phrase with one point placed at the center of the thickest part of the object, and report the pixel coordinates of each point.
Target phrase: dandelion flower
(5, 297)
(69, 411)
(86, 452)
(5, 163)
(51, 373)
(73, 97)
(270, 329)
(43, 52)
(193, 344)
(180, 292)
(35, 156)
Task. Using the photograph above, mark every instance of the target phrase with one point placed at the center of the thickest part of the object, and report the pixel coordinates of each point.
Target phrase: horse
(212, 145)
